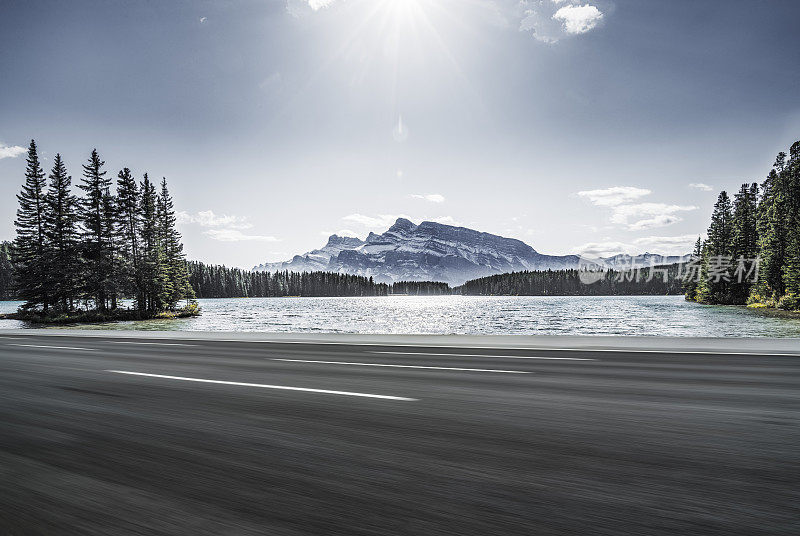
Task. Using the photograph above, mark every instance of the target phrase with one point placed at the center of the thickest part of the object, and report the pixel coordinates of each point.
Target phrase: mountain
(622, 261)
(426, 252)
(436, 252)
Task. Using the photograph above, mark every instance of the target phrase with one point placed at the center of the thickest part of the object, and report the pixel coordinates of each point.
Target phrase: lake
(479, 315)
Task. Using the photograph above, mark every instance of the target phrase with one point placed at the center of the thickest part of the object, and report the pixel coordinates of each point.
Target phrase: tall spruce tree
(62, 233)
(717, 271)
(791, 267)
(96, 242)
(744, 241)
(127, 232)
(691, 282)
(772, 233)
(153, 265)
(177, 287)
(31, 244)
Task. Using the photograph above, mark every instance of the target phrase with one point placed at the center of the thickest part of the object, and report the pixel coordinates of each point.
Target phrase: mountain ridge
(431, 251)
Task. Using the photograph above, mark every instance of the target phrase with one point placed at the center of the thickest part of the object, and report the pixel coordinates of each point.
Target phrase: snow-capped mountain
(624, 261)
(436, 252)
(428, 251)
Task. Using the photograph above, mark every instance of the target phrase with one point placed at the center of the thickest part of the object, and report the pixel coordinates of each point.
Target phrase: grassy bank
(95, 316)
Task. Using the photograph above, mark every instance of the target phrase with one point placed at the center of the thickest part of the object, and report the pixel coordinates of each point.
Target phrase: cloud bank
(11, 151)
(634, 215)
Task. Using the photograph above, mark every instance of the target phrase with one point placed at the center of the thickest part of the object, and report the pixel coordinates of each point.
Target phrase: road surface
(111, 435)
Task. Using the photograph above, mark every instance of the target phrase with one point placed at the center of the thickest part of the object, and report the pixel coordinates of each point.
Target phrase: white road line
(484, 355)
(151, 343)
(53, 347)
(401, 366)
(266, 386)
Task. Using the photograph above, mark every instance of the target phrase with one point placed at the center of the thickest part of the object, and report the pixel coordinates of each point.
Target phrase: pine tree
(744, 241)
(153, 265)
(127, 232)
(791, 267)
(177, 287)
(62, 232)
(691, 284)
(31, 245)
(772, 230)
(96, 242)
(717, 270)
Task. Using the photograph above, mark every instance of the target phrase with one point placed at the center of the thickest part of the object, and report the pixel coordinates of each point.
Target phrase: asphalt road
(117, 436)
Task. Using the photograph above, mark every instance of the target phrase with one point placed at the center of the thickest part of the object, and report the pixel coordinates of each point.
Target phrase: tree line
(213, 281)
(657, 280)
(421, 288)
(92, 251)
(752, 252)
(6, 273)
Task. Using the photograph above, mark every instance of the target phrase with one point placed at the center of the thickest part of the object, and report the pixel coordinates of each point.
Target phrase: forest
(78, 257)
(421, 288)
(752, 251)
(212, 281)
(658, 280)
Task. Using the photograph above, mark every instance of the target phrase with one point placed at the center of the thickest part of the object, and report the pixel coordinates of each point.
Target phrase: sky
(577, 126)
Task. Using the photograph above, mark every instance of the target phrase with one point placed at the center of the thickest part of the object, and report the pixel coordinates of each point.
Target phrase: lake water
(524, 315)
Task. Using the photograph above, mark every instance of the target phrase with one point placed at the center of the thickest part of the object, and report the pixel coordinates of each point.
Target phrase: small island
(105, 256)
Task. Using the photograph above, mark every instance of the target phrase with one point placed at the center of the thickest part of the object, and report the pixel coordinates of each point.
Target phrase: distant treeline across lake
(213, 281)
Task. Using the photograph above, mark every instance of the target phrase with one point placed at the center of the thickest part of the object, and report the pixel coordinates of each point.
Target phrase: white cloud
(616, 195)
(662, 220)
(620, 199)
(384, 221)
(341, 232)
(551, 20)
(662, 245)
(601, 249)
(446, 220)
(667, 245)
(298, 8)
(701, 186)
(316, 5)
(650, 215)
(381, 221)
(11, 151)
(433, 198)
(235, 235)
(222, 227)
(578, 19)
(207, 218)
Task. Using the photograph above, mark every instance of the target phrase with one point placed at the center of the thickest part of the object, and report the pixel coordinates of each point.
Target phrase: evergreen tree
(62, 233)
(153, 265)
(791, 267)
(31, 245)
(7, 291)
(772, 232)
(177, 287)
(744, 241)
(715, 286)
(128, 228)
(691, 283)
(97, 243)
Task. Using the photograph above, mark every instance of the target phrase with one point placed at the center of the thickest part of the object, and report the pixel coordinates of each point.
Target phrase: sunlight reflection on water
(524, 315)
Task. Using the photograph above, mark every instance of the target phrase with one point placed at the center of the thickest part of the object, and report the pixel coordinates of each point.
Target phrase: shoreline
(784, 346)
